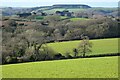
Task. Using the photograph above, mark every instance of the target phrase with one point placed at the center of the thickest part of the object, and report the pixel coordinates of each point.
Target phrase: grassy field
(39, 17)
(100, 46)
(0, 71)
(106, 67)
(78, 19)
(63, 17)
(61, 9)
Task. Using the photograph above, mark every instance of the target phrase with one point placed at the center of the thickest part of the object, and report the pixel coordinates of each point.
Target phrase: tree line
(28, 42)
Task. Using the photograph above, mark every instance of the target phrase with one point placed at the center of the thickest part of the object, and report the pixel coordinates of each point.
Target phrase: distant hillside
(8, 11)
(53, 8)
(71, 6)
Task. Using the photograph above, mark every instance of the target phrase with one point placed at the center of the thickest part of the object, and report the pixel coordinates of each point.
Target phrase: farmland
(53, 41)
(106, 67)
(78, 19)
(61, 9)
(101, 46)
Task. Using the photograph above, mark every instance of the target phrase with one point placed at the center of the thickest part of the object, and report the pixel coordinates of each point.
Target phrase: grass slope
(78, 19)
(106, 67)
(100, 46)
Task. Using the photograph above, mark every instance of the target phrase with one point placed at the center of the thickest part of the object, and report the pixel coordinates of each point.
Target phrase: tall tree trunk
(83, 54)
(84, 51)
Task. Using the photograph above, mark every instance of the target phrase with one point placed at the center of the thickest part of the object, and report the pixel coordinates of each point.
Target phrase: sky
(38, 3)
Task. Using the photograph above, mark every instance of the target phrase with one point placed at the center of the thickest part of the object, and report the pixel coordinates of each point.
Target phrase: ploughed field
(105, 67)
(99, 46)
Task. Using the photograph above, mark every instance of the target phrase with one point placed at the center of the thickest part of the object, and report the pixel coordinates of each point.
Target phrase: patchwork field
(100, 46)
(61, 9)
(26, 30)
(106, 67)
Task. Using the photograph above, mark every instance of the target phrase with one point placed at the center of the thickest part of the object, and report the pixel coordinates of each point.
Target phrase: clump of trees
(23, 43)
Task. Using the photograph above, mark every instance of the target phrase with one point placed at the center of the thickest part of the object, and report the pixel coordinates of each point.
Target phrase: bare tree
(34, 40)
(85, 46)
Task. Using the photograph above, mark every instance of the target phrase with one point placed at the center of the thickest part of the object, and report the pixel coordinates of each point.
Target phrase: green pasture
(100, 46)
(61, 9)
(106, 67)
(39, 17)
(78, 19)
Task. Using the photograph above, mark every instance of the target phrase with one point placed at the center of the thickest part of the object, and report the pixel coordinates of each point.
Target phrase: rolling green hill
(106, 67)
(100, 46)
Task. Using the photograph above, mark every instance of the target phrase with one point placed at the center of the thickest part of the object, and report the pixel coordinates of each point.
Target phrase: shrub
(75, 51)
(59, 56)
(8, 59)
(67, 55)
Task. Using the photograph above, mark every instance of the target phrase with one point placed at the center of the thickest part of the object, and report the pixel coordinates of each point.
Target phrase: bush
(21, 24)
(67, 55)
(33, 57)
(75, 51)
(8, 59)
(47, 53)
(59, 56)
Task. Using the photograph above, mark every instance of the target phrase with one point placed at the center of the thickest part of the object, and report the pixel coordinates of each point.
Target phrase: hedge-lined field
(78, 19)
(100, 46)
(106, 67)
(61, 9)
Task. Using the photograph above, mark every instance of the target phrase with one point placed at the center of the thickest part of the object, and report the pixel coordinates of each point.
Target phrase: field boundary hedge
(101, 55)
(65, 58)
(65, 40)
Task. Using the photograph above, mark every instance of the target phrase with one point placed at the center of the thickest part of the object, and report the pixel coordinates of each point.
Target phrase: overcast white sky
(37, 3)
